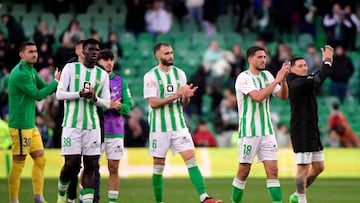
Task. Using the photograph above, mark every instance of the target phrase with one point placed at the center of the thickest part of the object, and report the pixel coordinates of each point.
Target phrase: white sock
(301, 198)
(203, 196)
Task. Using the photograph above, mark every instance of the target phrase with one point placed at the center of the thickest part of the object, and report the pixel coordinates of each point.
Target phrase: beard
(166, 62)
(260, 69)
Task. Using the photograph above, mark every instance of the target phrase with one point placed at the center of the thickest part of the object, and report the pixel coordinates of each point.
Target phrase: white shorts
(75, 141)
(113, 147)
(265, 147)
(160, 142)
(309, 157)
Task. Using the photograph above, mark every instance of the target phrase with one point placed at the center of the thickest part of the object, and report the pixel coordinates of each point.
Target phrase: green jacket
(25, 87)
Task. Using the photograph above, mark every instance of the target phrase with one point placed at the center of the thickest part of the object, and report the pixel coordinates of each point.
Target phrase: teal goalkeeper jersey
(25, 87)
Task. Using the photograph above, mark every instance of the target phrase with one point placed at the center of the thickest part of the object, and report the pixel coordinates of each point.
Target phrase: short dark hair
(25, 44)
(106, 54)
(90, 41)
(294, 59)
(159, 45)
(252, 50)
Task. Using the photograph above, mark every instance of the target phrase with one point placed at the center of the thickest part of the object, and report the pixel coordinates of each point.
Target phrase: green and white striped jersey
(254, 117)
(80, 112)
(160, 84)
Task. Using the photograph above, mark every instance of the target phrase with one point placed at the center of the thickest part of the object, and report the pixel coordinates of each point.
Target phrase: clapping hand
(190, 90)
(281, 75)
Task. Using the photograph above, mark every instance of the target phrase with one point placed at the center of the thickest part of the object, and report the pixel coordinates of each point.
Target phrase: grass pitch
(180, 190)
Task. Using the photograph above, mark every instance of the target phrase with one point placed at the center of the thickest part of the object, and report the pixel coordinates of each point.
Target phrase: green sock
(158, 187)
(62, 187)
(113, 196)
(274, 190)
(238, 187)
(87, 195)
(197, 179)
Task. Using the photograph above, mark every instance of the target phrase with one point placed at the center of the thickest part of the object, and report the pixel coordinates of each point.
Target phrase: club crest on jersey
(266, 82)
(170, 88)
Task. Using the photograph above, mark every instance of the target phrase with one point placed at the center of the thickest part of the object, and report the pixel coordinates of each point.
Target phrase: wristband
(328, 63)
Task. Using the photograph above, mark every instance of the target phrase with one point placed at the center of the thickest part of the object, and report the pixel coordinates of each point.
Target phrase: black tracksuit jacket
(304, 129)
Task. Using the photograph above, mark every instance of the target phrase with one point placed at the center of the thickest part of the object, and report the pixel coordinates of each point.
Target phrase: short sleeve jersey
(160, 84)
(254, 117)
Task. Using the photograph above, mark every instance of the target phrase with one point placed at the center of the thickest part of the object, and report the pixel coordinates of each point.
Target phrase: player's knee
(319, 169)
(40, 161)
(113, 168)
(243, 171)
(92, 165)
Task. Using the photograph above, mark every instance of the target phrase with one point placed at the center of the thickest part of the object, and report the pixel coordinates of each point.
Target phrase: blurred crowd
(212, 113)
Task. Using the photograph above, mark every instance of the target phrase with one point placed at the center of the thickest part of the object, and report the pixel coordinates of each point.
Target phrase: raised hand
(285, 69)
(327, 53)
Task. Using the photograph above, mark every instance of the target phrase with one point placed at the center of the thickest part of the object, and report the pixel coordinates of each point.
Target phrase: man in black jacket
(304, 130)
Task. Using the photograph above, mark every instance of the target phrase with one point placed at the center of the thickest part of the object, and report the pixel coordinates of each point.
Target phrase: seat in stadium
(49, 18)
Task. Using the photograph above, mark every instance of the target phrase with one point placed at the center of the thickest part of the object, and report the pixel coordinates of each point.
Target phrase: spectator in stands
(4, 100)
(135, 16)
(283, 135)
(333, 138)
(228, 110)
(283, 54)
(196, 12)
(44, 131)
(44, 34)
(339, 124)
(334, 26)
(136, 129)
(203, 137)
(343, 69)
(238, 65)
(65, 52)
(285, 10)
(307, 18)
(229, 118)
(199, 80)
(73, 32)
(354, 28)
(3, 48)
(245, 12)
(114, 45)
(45, 57)
(179, 10)
(312, 59)
(158, 20)
(211, 12)
(265, 20)
(219, 61)
(16, 36)
(95, 35)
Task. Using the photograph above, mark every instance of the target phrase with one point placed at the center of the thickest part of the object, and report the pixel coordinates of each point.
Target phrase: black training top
(304, 130)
